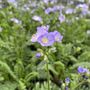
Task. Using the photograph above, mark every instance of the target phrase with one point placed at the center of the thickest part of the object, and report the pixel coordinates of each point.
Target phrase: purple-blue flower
(46, 1)
(37, 18)
(84, 12)
(34, 38)
(66, 88)
(49, 1)
(69, 11)
(60, 8)
(48, 10)
(46, 39)
(82, 70)
(53, 1)
(40, 31)
(84, 8)
(37, 35)
(38, 55)
(53, 9)
(43, 28)
(67, 80)
(12, 1)
(61, 18)
(57, 8)
(58, 37)
(15, 20)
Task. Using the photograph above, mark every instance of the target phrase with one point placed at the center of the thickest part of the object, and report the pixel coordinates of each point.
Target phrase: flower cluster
(46, 38)
(84, 8)
(54, 9)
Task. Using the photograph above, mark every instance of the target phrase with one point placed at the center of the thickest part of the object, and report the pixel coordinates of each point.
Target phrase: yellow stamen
(44, 40)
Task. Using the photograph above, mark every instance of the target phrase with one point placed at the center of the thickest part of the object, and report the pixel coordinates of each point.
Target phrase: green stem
(48, 77)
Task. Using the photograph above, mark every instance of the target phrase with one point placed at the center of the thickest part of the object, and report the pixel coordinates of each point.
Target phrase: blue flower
(69, 11)
(84, 8)
(37, 18)
(43, 28)
(40, 31)
(58, 37)
(82, 70)
(38, 55)
(46, 1)
(67, 80)
(61, 18)
(48, 10)
(46, 39)
(66, 88)
(12, 1)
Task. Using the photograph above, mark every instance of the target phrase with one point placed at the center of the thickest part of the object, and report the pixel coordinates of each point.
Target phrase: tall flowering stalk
(48, 77)
(45, 39)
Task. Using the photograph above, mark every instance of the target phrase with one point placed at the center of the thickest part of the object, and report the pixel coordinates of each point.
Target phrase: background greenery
(21, 70)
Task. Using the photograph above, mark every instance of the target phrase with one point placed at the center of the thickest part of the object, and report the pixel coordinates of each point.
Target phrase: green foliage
(21, 70)
(8, 86)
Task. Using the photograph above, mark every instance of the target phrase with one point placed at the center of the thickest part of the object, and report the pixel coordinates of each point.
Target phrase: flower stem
(48, 77)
